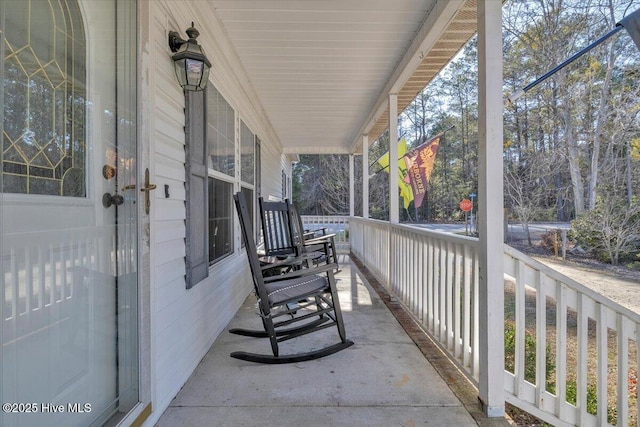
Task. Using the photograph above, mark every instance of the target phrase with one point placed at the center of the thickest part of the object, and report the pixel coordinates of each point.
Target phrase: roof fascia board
(436, 22)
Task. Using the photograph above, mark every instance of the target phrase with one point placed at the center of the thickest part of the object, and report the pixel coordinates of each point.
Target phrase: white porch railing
(335, 224)
(574, 356)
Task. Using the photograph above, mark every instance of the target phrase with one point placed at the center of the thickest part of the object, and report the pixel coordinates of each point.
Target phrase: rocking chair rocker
(313, 290)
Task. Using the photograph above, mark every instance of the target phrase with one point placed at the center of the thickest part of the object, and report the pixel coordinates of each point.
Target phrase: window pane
(284, 185)
(44, 134)
(220, 219)
(258, 169)
(220, 133)
(247, 148)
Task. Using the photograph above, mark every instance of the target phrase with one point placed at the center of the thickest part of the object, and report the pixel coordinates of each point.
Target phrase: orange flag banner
(419, 163)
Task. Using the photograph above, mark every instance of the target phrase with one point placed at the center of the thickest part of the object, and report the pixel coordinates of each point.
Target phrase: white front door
(67, 212)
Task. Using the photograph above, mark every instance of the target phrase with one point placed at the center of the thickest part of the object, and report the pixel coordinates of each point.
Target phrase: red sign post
(466, 205)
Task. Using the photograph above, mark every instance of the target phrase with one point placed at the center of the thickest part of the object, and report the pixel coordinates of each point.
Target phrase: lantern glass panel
(181, 72)
(194, 72)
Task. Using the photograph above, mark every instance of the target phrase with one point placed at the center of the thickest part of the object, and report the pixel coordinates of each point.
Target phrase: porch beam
(352, 185)
(365, 176)
(490, 208)
(394, 203)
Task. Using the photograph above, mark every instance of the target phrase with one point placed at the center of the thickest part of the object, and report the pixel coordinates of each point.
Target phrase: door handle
(109, 200)
(146, 189)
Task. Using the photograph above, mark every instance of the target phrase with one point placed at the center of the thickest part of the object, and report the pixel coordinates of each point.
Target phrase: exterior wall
(185, 323)
(273, 163)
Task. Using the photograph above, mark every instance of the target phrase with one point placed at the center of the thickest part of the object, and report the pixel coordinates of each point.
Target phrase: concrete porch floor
(382, 380)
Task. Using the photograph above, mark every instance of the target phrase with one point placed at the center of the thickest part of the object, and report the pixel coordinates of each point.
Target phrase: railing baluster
(561, 350)
(467, 278)
(448, 286)
(420, 278)
(442, 290)
(476, 317)
(430, 291)
(417, 276)
(581, 383)
(541, 339)
(455, 300)
(437, 290)
(394, 268)
(602, 352)
(622, 358)
(405, 268)
(637, 341)
(520, 328)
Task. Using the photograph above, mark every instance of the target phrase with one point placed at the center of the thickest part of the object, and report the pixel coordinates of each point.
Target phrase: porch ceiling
(323, 69)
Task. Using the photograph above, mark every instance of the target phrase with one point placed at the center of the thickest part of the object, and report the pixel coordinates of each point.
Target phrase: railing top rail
(321, 217)
(572, 284)
(441, 235)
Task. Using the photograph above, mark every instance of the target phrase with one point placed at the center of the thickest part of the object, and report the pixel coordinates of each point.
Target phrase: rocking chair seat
(285, 290)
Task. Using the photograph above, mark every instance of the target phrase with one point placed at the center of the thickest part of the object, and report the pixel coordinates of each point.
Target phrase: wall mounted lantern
(192, 66)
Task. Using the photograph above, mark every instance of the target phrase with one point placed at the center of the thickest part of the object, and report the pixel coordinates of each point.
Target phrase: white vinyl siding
(184, 323)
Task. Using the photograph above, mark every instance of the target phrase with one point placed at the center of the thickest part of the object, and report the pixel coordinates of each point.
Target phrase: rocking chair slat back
(252, 251)
(276, 228)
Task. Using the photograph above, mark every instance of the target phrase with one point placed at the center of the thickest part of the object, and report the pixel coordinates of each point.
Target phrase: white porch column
(365, 176)
(394, 202)
(352, 184)
(490, 207)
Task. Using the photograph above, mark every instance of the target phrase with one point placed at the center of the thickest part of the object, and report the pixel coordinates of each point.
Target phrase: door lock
(108, 200)
(146, 189)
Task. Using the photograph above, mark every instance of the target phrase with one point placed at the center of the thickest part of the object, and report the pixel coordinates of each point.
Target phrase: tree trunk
(573, 155)
(628, 178)
(556, 144)
(560, 211)
(600, 120)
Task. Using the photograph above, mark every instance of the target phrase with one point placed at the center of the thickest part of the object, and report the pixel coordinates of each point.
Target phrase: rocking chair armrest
(275, 266)
(286, 262)
(324, 268)
(322, 230)
(289, 261)
(319, 239)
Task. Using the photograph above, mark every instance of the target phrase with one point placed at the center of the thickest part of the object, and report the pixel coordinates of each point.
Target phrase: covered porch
(293, 78)
(332, 78)
(411, 302)
(393, 375)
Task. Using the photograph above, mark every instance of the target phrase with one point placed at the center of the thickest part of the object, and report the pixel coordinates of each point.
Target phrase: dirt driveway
(617, 283)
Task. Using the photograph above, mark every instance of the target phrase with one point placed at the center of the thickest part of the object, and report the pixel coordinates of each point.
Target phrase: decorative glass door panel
(68, 211)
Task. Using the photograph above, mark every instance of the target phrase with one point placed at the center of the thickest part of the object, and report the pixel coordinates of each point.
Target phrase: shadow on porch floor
(382, 380)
